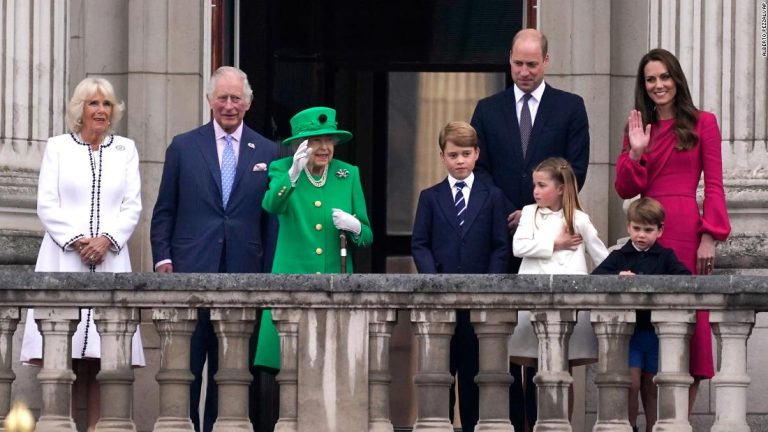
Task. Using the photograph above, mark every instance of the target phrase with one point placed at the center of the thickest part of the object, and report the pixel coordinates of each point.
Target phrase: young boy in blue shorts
(642, 255)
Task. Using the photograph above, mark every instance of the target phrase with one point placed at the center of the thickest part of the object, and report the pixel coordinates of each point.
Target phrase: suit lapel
(445, 202)
(512, 123)
(207, 146)
(476, 202)
(245, 157)
(543, 114)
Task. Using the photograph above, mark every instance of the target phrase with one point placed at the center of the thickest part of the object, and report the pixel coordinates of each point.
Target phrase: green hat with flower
(316, 121)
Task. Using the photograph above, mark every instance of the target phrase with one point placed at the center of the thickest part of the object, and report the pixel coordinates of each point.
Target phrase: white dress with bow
(534, 242)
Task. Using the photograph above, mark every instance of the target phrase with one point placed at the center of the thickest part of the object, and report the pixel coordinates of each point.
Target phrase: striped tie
(459, 203)
(228, 164)
(526, 124)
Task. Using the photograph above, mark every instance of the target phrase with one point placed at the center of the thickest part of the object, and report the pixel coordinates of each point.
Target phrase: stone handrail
(431, 301)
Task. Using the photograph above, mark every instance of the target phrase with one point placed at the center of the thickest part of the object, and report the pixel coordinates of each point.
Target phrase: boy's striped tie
(459, 203)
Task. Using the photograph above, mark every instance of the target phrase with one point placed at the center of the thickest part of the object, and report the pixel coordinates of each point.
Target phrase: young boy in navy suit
(461, 227)
(642, 255)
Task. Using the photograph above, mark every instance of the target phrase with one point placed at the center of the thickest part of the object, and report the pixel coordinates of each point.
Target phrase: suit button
(318, 203)
(221, 240)
(319, 251)
(318, 227)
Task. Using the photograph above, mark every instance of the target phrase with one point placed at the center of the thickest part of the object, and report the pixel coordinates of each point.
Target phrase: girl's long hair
(686, 113)
(561, 172)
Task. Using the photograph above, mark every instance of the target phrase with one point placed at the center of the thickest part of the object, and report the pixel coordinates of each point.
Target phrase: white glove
(300, 159)
(345, 221)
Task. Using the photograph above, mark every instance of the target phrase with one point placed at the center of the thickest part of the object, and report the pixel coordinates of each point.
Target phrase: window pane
(420, 104)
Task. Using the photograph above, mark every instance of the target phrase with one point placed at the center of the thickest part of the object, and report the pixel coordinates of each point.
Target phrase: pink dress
(671, 177)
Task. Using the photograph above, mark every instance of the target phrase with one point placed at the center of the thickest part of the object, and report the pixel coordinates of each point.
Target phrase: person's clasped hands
(346, 222)
(92, 250)
(300, 159)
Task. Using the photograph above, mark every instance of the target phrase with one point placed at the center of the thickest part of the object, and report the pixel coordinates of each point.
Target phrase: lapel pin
(251, 145)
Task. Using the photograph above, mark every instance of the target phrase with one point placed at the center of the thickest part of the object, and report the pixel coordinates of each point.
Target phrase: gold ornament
(19, 419)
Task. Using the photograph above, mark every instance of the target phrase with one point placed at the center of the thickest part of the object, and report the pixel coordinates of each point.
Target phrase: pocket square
(261, 166)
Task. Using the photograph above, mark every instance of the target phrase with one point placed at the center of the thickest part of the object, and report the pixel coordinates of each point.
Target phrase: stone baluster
(493, 328)
(287, 324)
(175, 327)
(116, 327)
(674, 329)
(233, 327)
(613, 329)
(553, 329)
(433, 379)
(57, 326)
(9, 318)
(732, 329)
(380, 324)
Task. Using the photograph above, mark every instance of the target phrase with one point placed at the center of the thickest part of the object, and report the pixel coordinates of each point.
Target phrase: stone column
(380, 324)
(433, 379)
(287, 324)
(116, 327)
(493, 328)
(33, 56)
(553, 329)
(57, 326)
(175, 327)
(233, 327)
(732, 329)
(613, 329)
(674, 329)
(9, 318)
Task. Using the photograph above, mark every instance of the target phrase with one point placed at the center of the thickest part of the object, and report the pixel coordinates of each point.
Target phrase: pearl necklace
(317, 183)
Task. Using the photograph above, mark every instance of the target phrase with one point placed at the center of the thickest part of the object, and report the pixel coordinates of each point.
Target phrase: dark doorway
(342, 53)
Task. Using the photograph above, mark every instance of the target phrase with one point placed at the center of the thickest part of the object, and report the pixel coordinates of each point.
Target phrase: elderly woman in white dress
(88, 201)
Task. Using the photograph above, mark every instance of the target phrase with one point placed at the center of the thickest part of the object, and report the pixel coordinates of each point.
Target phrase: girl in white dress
(552, 238)
(89, 202)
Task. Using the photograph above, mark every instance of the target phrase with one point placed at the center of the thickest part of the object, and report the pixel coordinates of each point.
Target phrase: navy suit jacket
(440, 245)
(190, 225)
(560, 129)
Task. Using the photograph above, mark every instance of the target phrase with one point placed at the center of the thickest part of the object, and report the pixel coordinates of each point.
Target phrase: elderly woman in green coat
(316, 198)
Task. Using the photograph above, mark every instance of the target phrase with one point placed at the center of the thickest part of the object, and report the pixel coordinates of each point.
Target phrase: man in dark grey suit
(208, 216)
(517, 129)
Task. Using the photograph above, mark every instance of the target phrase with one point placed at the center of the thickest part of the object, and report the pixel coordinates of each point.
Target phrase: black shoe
(634, 429)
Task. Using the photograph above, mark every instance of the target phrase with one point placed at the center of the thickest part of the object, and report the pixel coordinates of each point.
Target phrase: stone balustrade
(430, 301)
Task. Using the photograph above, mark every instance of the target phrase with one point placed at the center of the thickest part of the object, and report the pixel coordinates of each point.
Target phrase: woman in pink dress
(668, 144)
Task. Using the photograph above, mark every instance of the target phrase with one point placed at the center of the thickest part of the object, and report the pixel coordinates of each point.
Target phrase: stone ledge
(374, 290)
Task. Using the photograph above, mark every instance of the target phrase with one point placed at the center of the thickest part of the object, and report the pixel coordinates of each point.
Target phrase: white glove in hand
(300, 159)
(345, 221)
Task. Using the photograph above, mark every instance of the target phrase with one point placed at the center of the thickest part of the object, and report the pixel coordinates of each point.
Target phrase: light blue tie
(228, 164)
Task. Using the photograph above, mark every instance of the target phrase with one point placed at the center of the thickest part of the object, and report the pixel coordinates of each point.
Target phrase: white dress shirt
(466, 190)
(533, 102)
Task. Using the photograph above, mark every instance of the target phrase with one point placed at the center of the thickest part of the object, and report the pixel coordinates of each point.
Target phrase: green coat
(307, 241)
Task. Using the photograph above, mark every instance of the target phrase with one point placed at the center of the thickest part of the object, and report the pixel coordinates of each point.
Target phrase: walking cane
(343, 240)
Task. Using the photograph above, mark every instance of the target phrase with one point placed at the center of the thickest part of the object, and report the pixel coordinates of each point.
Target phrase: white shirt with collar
(221, 141)
(466, 190)
(533, 102)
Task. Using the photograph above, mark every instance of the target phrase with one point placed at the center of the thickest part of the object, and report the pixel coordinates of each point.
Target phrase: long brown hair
(561, 172)
(686, 114)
